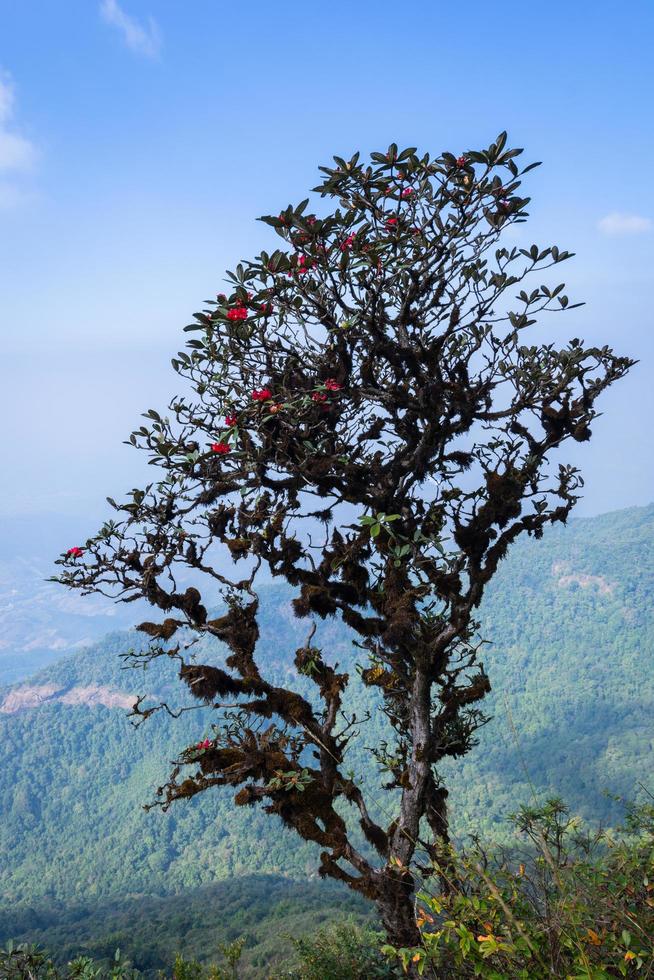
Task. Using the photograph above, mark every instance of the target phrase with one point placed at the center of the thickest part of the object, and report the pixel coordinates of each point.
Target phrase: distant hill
(572, 624)
(39, 621)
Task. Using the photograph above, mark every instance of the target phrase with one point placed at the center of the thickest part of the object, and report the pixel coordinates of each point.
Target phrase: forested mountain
(571, 625)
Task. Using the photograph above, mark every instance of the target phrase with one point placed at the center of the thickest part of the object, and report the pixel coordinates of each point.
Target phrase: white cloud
(145, 40)
(16, 152)
(618, 223)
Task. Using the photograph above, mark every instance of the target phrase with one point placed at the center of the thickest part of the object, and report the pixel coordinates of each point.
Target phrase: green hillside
(572, 628)
(150, 930)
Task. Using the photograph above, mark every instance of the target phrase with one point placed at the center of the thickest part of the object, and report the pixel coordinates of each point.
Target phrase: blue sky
(139, 140)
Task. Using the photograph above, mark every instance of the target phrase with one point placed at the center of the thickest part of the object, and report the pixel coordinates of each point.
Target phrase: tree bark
(397, 911)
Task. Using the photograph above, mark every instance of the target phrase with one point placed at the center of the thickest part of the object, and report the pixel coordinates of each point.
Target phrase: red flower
(407, 192)
(331, 384)
(75, 552)
(237, 313)
(391, 221)
(461, 161)
(231, 420)
(204, 745)
(266, 308)
(222, 448)
(319, 396)
(262, 395)
(349, 241)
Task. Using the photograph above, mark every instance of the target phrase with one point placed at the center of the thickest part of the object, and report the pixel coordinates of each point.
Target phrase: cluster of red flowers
(265, 395)
(347, 244)
(237, 313)
(461, 161)
(206, 744)
(75, 552)
(261, 395)
(320, 397)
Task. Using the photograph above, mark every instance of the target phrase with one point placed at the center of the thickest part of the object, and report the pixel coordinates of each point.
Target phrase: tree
(367, 421)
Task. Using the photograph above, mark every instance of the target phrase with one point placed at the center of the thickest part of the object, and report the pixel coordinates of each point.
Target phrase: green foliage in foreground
(340, 952)
(23, 962)
(344, 952)
(579, 906)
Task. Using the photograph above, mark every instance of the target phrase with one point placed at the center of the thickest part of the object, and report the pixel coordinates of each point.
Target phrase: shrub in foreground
(574, 905)
(341, 952)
